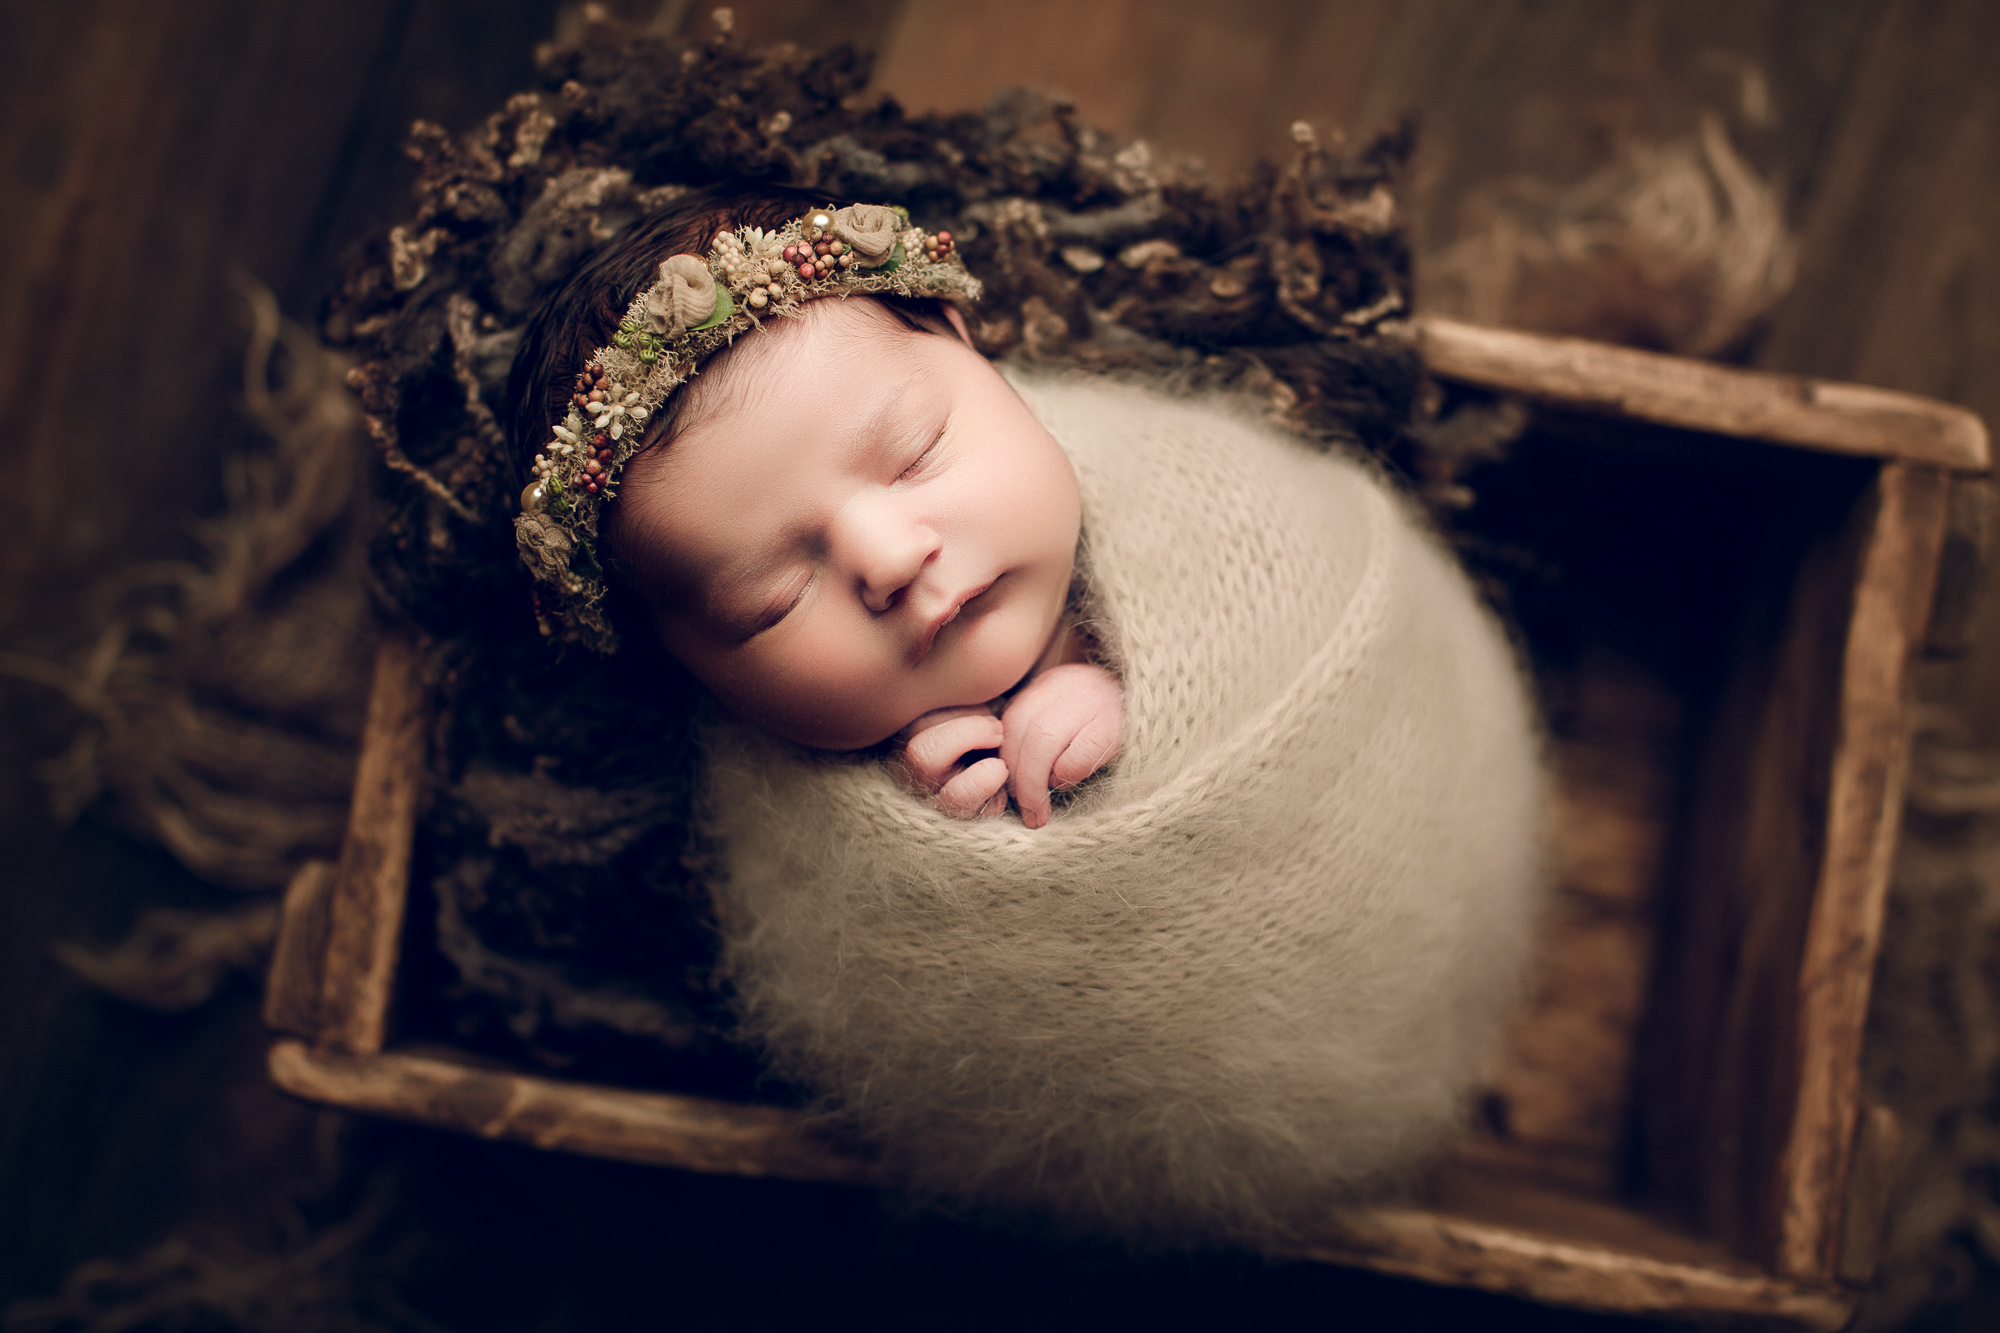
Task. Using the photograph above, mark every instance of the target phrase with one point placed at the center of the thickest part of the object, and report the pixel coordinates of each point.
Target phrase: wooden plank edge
(365, 914)
(1456, 1251)
(1679, 391)
(1872, 1176)
(653, 1128)
(699, 1134)
(296, 981)
(1864, 820)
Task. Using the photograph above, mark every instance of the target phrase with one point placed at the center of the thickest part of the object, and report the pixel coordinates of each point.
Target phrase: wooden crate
(1676, 1127)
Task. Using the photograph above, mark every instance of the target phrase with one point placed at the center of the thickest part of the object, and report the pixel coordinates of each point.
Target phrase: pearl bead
(533, 496)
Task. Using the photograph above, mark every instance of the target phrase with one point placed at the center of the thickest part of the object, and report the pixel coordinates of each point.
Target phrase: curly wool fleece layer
(1250, 970)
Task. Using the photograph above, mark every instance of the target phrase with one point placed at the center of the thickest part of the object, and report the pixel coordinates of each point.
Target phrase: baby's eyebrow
(878, 427)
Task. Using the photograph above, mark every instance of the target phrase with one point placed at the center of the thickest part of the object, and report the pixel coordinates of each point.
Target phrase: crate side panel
(1721, 1070)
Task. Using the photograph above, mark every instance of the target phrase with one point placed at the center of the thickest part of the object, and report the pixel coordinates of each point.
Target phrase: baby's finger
(932, 754)
(1092, 748)
(1031, 757)
(971, 795)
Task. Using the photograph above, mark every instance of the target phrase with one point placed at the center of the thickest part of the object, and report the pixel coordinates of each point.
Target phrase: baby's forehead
(828, 387)
(763, 363)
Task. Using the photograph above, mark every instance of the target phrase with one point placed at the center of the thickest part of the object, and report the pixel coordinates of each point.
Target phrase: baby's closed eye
(930, 447)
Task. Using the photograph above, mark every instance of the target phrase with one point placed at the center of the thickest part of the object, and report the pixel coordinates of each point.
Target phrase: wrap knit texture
(1252, 970)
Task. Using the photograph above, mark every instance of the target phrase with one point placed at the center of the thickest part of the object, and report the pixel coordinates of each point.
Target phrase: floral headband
(697, 308)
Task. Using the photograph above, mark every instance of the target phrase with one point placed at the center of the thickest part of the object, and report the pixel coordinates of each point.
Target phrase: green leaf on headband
(724, 308)
(892, 263)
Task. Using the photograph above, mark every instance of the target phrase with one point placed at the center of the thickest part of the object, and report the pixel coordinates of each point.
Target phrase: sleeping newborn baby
(1251, 966)
(862, 532)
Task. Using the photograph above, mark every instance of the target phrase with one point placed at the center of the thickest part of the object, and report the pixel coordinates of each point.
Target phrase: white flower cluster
(612, 418)
(751, 266)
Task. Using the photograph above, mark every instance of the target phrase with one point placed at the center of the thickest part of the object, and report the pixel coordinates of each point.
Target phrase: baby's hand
(930, 757)
(1064, 725)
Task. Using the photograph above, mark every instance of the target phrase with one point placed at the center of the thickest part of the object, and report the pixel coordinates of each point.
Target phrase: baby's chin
(864, 726)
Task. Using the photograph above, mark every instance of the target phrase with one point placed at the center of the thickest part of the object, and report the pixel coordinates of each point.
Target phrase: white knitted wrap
(1256, 966)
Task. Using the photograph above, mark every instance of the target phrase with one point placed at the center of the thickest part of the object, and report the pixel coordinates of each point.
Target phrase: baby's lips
(951, 613)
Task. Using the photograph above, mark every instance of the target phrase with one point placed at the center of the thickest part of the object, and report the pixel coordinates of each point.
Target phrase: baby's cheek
(825, 699)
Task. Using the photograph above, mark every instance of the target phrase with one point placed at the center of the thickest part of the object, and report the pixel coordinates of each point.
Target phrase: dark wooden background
(147, 149)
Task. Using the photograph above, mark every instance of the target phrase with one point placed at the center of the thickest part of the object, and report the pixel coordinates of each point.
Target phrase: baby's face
(859, 524)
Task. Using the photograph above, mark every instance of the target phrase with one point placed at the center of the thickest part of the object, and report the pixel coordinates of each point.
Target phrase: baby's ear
(957, 322)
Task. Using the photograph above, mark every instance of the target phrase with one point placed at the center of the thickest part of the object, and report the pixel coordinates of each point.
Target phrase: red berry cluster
(938, 246)
(819, 258)
(592, 387)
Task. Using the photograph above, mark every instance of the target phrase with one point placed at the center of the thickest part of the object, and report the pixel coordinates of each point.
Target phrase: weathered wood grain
(1558, 1109)
(1872, 1176)
(1161, 71)
(1547, 1248)
(365, 913)
(1677, 391)
(1721, 1070)
(297, 979)
(1547, 89)
(1864, 815)
(659, 1129)
(1899, 279)
(1577, 1270)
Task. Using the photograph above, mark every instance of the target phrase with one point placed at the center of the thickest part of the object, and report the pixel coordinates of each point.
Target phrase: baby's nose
(887, 551)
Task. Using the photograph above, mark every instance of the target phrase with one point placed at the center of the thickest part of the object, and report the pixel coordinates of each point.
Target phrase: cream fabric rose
(544, 546)
(871, 229)
(683, 298)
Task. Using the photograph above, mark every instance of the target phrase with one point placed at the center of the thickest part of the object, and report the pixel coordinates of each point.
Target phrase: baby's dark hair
(584, 312)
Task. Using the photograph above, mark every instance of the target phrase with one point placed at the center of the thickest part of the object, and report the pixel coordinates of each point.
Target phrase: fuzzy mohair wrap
(1253, 969)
